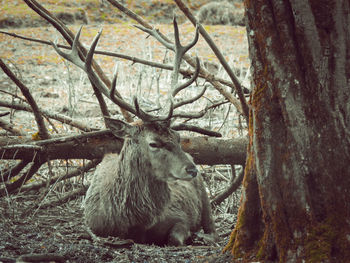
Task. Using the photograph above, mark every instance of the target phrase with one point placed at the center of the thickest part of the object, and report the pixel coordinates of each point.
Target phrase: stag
(152, 191)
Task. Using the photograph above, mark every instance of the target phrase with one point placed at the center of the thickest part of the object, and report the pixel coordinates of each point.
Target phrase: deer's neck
(143, 196)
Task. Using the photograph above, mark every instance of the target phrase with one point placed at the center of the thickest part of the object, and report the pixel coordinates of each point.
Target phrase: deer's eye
(155, 145)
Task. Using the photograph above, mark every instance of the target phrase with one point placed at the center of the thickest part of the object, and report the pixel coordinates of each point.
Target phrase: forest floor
(29, 228)
(57, 234)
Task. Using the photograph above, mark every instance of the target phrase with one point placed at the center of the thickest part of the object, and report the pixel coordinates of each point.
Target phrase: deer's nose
(192, 170)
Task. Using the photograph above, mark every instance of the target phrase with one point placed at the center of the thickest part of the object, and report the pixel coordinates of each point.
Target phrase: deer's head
(159, 145)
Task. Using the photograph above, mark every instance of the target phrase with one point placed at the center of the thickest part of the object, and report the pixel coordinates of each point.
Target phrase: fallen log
(93, 145)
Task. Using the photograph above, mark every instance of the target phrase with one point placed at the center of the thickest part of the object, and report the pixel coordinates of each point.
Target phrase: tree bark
(295, 205)
(205, 150)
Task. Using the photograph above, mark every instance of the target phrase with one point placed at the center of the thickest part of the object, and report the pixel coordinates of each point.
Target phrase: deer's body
(150, 192)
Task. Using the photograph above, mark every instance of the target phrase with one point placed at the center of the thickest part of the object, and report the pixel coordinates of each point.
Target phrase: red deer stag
(151, 192)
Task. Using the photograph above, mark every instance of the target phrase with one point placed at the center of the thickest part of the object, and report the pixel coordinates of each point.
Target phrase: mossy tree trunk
(296, 200)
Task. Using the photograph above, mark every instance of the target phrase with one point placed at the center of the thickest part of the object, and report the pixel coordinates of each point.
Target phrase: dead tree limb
(56, 116)
(133, 59)
(65, 198)
(43, 132)
(13, 171)
(58, 178)
(235, 183)
(12, 187)
(93, 145)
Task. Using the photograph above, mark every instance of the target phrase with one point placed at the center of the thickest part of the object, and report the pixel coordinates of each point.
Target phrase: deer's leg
(178, 234)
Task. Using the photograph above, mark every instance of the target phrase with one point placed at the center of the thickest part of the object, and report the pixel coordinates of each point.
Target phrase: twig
(67, 197)
(134, 60)
(13, 171)
(188, 127)
(58, 178)
(43, 133)
(4, 113)
(55, 116)
(9, 127)
(11, 188)
(225, 118)
(233, 187)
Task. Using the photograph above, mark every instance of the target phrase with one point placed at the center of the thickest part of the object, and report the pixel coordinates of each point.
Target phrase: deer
(152, 191)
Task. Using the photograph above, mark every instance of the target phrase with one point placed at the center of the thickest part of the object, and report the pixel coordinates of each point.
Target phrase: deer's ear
(119, 128)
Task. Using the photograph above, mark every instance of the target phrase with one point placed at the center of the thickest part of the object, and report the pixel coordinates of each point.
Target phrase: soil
(31, 232)
(57, 234)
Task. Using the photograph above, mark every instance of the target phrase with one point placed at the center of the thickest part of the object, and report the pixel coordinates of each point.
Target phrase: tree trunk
(295, 206)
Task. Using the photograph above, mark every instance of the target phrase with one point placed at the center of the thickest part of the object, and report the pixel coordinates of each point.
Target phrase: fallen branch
(64, 199)
(58, 178)
(48, 114)
(93, 145)
(233, 187)
(43, 132)
(49, 257)
(12, 187)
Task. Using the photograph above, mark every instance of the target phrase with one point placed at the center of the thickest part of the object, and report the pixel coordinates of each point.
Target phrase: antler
(176, 87)
(86, 65)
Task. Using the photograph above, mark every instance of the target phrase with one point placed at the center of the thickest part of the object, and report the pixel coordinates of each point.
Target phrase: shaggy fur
(148, 192)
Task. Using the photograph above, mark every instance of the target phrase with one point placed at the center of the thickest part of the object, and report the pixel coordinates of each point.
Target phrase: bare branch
(55, 116)
(13, 171)
(4, 113)
(9, 127)
(43, 133)
(188, 127)
(185, 72)
(10, 188)
(233, 187)
(58, 178)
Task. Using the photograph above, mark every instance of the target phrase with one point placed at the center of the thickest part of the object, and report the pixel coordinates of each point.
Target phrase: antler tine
(180, 51)
(190, 100)
(73, 55)
(184, 49)
(176, 87)
(120, 102)
(180, 87)
(90, 54)
(148, 117)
